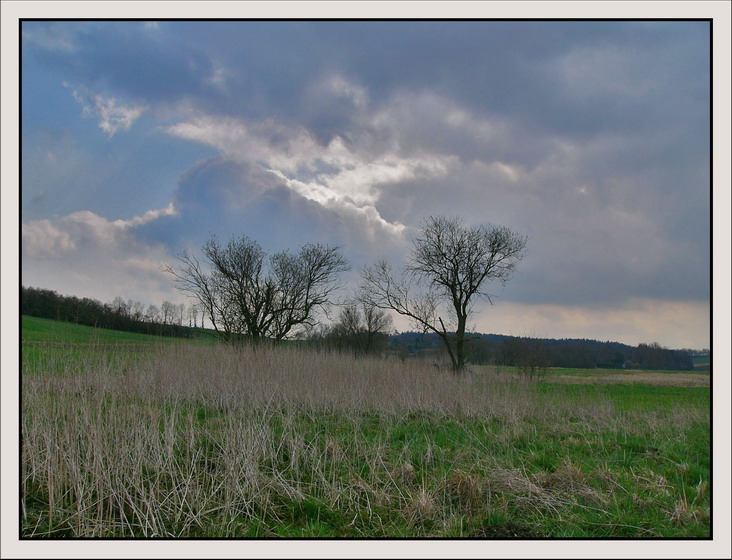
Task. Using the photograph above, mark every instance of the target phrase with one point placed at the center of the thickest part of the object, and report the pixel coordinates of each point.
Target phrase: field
(48, 333)
(124, 436)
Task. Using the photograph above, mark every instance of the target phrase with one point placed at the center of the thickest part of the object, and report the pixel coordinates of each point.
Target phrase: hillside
(39, 331)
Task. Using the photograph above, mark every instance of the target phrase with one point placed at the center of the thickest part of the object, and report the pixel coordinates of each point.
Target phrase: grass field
(612, 376)
(46, 332)
(192, 440)
(48, 343)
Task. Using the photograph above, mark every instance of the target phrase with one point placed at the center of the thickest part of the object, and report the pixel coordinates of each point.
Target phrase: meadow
(124, 436)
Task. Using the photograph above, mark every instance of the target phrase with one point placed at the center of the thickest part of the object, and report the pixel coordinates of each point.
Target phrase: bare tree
(448, 269)
(152, 315)
(376, 325)
(534, 358)
(360, 327)
(169, 311)
(137, 310)
(243, 291)
(193, 316)
(349, 319)
(120, 307)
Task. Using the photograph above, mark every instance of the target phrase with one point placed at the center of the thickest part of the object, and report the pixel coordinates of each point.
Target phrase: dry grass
(600, 376)
(228, 377)
(188, 433)
(223, 442)
(654, 378)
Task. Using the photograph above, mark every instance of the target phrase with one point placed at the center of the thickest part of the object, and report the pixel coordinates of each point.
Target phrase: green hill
(39, 332)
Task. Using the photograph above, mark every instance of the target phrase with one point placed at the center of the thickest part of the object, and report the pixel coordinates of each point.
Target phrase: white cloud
(426, 118)
(148, 216)
(342, 88)
(82, 230)
(218, 77)
(101, 258)
(341, 174)
(112, 115)
(42, 238)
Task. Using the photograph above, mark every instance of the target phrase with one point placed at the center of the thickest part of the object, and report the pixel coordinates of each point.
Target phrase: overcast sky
(142, 139)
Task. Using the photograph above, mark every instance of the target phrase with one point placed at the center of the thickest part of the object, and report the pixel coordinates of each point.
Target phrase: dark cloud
(508, 68)
(222, 197)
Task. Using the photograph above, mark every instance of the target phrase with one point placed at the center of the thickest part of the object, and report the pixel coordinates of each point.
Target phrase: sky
(142, 139)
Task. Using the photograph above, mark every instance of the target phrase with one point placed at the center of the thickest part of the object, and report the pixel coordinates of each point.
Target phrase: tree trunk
(460, 344)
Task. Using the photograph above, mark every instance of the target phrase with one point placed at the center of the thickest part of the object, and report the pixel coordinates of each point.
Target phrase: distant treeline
(570, 353)
(119, 314)
(494, 349)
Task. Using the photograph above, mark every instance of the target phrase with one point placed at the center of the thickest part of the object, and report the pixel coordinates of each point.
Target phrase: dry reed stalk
(160, 444)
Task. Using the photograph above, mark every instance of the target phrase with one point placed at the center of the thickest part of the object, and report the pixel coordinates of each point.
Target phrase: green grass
(636, 397)
(584, 372)
(35, 330)
(196, 441)
(47, 341)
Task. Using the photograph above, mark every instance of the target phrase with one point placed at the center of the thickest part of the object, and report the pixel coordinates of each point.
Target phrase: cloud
(148, 216)
(42, 238)
(346, 173)
(341, 88)
(83, 229)
(674, 323)
(112, 115)
(51, 36)
(226, 197)
(591, 138)
(589, 206)
(105, 257)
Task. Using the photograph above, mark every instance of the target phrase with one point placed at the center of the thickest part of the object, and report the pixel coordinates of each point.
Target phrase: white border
(12, 547)
(336, 9)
